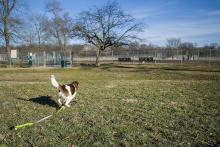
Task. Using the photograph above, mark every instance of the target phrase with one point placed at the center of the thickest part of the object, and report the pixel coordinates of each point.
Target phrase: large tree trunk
(7, 38)
(98, 54)
(62, 53)
(8, 54)
(7, 7)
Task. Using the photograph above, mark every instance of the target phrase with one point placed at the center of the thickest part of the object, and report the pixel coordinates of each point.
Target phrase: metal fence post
(44, 55)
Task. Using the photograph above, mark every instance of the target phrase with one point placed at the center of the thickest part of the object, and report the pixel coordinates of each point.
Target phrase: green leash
(31, 123)
(24, 125)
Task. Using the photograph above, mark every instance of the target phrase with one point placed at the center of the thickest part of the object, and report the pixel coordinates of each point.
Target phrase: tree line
(102, 27)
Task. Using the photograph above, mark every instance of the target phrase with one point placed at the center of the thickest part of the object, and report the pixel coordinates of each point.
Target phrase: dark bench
(125, 59)
(146, 59)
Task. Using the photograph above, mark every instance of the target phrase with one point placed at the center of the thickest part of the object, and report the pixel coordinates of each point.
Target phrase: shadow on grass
(87, 65)
(107, 66)
(127, 68)
(144, 68)
(188, 69)
(43, 100)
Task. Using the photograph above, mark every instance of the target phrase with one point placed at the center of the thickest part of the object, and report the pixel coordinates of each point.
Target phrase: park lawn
(117, 105)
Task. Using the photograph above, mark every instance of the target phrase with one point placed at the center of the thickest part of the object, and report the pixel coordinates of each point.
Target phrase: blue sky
(196, 21)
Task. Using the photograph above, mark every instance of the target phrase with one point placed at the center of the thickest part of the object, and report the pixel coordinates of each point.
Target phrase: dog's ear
(76, 84)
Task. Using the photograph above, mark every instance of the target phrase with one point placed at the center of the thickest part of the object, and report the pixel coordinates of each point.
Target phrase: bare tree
(38, 24)
(28, 36)
(212, 50)
(187, 48)
(7, 21)
(60, 25)
(173, 43)
(134, 47)
(105, 27)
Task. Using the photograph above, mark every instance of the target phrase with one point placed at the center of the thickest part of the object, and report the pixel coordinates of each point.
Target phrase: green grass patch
(117, 105)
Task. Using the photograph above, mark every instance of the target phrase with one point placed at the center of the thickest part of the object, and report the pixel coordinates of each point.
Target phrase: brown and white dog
(66, 92)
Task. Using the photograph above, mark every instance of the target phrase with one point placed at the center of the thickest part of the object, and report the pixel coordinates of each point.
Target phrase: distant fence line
(53, 58)
(3, 57)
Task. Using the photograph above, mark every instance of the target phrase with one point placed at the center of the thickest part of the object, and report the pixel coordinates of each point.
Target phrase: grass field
(117, 105)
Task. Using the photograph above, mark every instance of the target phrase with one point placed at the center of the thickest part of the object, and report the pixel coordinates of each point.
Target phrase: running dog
(66, 92)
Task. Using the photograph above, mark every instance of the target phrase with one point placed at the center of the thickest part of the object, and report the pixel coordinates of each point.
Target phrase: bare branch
(105, 27)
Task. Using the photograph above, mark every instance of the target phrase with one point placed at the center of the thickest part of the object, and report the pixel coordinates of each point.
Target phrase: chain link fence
(116, 55)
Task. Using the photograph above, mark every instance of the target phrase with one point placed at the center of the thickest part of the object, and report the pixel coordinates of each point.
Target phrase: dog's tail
(54, 82)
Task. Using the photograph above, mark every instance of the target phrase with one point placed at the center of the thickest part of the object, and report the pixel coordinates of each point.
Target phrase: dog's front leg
(67, 101)
(59, 100)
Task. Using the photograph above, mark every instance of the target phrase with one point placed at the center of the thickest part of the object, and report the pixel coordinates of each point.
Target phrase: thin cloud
(158, 33)
(152, 11)
(214, 13)
(144, 13)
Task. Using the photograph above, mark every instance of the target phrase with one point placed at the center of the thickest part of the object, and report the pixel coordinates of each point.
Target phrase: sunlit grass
(162, 104)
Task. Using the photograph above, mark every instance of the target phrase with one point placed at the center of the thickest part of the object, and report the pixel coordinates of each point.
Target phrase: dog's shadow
(43, 100)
